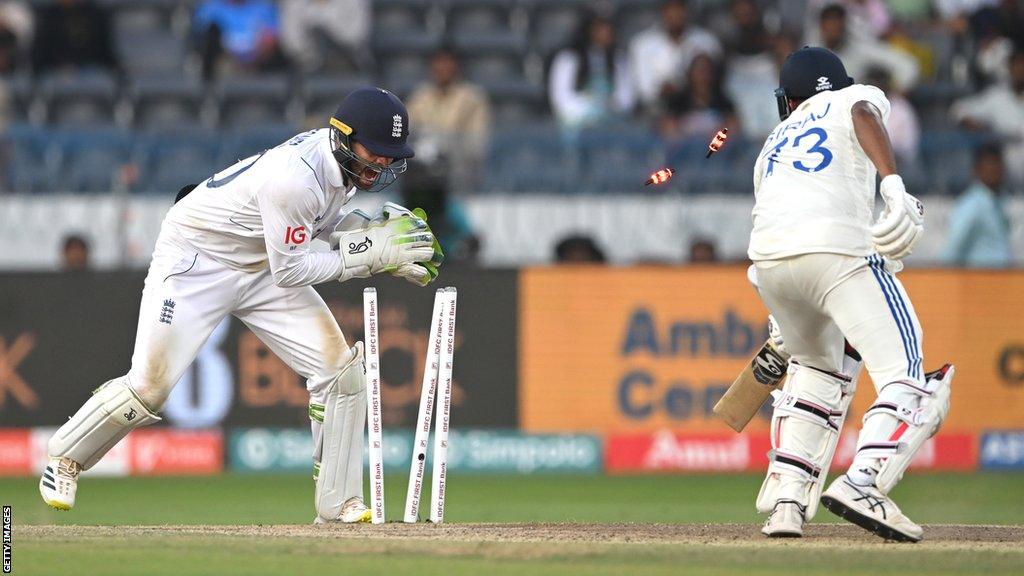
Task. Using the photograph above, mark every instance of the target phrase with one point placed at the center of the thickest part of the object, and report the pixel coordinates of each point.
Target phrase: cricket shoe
(785, 521)
(59, 483)
(353, 511)
(868, 508)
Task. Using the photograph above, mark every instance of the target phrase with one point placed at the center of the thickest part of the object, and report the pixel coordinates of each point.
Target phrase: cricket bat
(752, 387)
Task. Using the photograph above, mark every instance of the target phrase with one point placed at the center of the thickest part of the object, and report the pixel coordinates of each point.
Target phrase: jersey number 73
(813, 139)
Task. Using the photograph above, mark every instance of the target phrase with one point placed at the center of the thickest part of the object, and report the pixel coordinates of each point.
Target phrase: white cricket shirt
(814, 187)
(266, 210)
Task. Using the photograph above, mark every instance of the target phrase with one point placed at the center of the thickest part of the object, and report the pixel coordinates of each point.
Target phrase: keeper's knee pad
(107, 416)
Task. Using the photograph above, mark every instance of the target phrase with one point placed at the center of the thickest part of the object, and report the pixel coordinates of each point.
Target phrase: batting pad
(341, 443)
(109, 415)
(808, 417)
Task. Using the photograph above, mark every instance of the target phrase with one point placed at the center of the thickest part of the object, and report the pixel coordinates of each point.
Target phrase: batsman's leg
(298, 326)
(809, 412)
(873, 310)
(183, 300)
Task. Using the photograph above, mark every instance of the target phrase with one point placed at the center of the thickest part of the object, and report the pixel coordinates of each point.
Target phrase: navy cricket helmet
(806, 72)
(376, 119)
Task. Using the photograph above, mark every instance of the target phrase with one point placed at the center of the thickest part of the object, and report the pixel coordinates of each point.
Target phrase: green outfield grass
(987, 498)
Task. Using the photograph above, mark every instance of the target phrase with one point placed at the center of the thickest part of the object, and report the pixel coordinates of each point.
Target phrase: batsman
(240, 243)
(825, 269)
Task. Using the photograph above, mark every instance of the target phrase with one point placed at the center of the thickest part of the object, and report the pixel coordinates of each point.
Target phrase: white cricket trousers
(818, 299)
(186, 296)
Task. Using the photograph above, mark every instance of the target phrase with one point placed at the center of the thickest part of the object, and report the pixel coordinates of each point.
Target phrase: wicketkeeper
(240, 244)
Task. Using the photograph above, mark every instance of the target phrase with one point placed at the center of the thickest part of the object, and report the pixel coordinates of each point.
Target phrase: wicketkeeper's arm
(289, 214)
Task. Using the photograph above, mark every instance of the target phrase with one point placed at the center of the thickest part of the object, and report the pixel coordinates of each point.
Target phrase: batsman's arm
(873, 137)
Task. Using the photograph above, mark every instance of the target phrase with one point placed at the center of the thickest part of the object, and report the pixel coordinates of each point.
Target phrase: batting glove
(901, 223)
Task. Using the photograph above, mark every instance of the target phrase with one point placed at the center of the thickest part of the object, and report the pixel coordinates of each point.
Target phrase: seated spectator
(661, 55)
(326, 35)
(868, 19)
(702, 251)
(753, 71)
(859, 53)
(590, 81)
(454, 117)
(16, 28)
(979, 229)
(702, 107)
(1000, 109)
(427, 187)
(238, 36)
(902, 125)
(74, 256)
(72, 34)
(578, 249)
(996, 29)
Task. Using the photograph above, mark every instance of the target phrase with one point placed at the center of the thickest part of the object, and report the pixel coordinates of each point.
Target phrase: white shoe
(59, 483)
(353, 511)
(868, 508)
(785, 521)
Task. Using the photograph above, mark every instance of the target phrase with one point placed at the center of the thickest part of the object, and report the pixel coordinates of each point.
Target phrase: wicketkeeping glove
(901, 223)
(419, 273)
(383, 246)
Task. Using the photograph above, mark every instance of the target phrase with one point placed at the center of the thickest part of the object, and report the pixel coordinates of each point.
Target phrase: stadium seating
(89, 160)
(81, 98)
(157, 113)
(166, 101)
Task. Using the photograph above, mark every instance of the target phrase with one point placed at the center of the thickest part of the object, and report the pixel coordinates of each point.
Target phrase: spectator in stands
(74, 254)
(997, 27)
(590, 81)
(661, 55)
(860, 53)
(979, 229)
(578, 249)
(238, 36)
(1000, 109)
(702, 107)
(16, 28)
(702, 251)
(426, 186)
(753, 71)
(902, 125)
(453, 116)
(72, 34)
(326, 35)
(867, 19)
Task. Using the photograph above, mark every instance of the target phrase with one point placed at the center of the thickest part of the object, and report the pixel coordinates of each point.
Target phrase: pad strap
(793, 465)
(787, 404)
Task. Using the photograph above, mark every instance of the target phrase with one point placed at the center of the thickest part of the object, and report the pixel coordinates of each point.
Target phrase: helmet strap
(782, 100)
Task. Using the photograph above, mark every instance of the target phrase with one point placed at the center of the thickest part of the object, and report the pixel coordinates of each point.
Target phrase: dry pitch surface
(244, 525)
(948, 536)
(513, 549)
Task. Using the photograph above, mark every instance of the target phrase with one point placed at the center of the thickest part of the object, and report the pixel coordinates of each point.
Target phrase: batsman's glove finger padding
(775, 334)
(900, 226)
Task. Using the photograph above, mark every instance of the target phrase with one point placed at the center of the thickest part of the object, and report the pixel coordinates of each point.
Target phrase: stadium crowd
(506, 95)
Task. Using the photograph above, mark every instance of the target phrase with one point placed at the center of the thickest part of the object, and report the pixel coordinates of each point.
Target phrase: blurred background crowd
(560, 97)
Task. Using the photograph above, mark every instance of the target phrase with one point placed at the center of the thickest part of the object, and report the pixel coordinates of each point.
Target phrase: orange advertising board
(647, 348)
